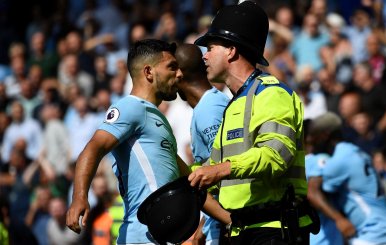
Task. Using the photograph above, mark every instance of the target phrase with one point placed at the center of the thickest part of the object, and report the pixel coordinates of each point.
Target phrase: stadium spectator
(337, 54)
(38, 55)
(379, 161)
(38, 215)
(350, 103)
(21, 128)
(372, 94)
(309, 91)
(101, 78)
(367, 136)
(74, 44)
(357, 33)
(58, 232)
(28, 97)
(72, 73)
(12, 82)
(81, 126)
(331, 89)
(56, 144)
(377, 58)
(306, 47)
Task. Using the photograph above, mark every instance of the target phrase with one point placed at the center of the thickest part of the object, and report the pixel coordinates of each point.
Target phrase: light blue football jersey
(145, 158)
(328, 234)
(350, 174)
(206, 120)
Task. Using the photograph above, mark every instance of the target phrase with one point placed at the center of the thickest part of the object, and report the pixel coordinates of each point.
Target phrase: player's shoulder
(346, 149)
(214, 97)
(131, 102)
(127, 107)
(217, 93)
(317, 159)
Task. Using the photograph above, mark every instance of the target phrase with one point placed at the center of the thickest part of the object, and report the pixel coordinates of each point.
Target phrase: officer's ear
(232, 53)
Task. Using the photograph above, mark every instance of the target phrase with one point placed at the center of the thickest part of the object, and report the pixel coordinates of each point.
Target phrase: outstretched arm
(320, 202)
(213, 208)
(100, 144)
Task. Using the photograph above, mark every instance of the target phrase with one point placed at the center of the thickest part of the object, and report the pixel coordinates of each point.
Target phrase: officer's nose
(205, 56)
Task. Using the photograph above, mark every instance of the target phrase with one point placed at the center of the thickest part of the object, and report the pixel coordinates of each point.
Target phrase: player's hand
(207, 176)
(78, 208)
(345, 227)
(199, 237)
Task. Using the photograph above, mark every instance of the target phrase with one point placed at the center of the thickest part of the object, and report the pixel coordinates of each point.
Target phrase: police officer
(257, 158)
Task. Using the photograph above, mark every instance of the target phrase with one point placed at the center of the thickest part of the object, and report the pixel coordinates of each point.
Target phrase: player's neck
(145, 94)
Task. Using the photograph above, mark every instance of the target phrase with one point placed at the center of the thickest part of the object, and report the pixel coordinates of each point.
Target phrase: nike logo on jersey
(158, 124)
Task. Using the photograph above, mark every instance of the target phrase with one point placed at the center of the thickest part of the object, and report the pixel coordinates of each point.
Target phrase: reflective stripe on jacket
(261, 134)
(116, 212)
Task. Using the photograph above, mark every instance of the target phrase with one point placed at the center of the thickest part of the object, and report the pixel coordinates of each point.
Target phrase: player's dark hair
(148, 48)
(189, 57)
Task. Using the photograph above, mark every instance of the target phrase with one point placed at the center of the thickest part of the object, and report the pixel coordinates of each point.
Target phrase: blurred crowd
(63, 63)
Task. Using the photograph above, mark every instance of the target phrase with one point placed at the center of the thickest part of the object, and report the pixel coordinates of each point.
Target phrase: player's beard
(166, 95)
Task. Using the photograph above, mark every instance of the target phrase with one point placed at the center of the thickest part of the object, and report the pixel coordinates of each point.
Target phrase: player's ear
(148, 72)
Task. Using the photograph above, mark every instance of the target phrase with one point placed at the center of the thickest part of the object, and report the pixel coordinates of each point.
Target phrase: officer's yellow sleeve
(195, 166)
(257, 162)
(263, 161)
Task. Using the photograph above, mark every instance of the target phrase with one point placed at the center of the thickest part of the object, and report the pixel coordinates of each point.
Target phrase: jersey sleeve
(204, 132)
(124, 118)
(199, 149)
(206, 121)
(336, 172)
(315, 164)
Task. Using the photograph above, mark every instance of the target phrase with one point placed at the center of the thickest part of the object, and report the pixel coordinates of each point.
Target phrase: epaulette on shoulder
(268, 80)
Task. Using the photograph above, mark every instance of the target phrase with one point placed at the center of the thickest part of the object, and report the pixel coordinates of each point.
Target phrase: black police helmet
(172, 213)
(245, 25)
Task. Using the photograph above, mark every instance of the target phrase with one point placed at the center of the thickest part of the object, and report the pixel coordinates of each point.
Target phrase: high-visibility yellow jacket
(4, 236)
(116, 212)
(262, 135)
